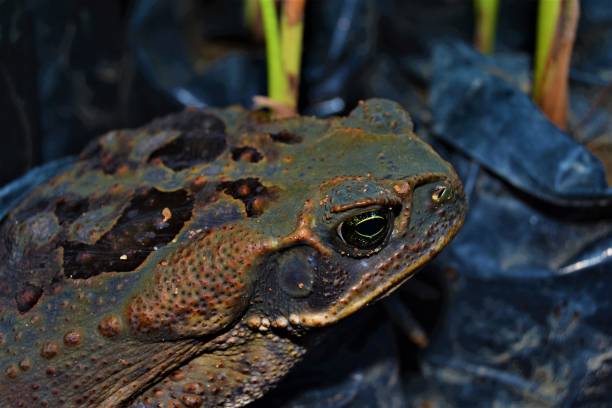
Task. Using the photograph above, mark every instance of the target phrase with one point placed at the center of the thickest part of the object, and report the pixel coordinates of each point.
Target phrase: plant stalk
(486, 12)
(292, 29)
(278, 87)
(556, 32)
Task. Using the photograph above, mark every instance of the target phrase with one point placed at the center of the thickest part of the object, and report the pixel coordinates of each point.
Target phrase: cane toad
(187, 262)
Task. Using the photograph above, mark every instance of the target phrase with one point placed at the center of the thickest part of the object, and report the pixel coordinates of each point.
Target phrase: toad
(187, 263)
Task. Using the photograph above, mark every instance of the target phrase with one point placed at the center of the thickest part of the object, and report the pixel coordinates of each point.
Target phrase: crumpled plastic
(497, 125)
(172, 63)
(341, 35)
(527, 320)
(592, 61)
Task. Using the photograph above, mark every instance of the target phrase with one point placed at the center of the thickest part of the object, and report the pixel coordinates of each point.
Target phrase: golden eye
(441, 193)
(366, 230)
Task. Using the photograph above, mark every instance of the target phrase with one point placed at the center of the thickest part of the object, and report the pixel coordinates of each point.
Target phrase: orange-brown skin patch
(49, 350)
(12, 371)
(72, 338)
(110, 326)
(201, 288)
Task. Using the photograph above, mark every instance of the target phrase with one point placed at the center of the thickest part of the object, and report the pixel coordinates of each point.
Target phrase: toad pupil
(367, 229)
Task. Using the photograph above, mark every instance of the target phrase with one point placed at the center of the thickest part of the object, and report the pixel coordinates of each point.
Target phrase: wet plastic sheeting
(173, 61)
(592, 60)
(528, 320)
(66, 76)
(341, 37)
(497, 125)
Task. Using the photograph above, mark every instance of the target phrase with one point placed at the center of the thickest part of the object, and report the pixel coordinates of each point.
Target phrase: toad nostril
(295, 274)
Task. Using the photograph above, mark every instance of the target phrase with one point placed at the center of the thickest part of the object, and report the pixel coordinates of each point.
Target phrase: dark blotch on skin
(247, 153)
(68, 211)
(202, 139)
(27, 298)
(286, 137)
(110, 163)
(138, 231)
(109, 159)
(250, 191)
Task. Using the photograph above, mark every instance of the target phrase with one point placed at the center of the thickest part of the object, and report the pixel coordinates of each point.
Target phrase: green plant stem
(292, 28)
(557, 24)
(486, 24)
(278, 87)
(548, 15)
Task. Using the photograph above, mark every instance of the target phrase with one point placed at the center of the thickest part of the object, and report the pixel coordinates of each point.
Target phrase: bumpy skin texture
(186, 263)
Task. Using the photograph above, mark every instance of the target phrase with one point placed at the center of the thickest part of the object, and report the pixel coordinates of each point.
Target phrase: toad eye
(441, 193)
(366, 230)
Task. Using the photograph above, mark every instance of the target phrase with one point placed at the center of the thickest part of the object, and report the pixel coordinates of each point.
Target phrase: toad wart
(186, 263)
